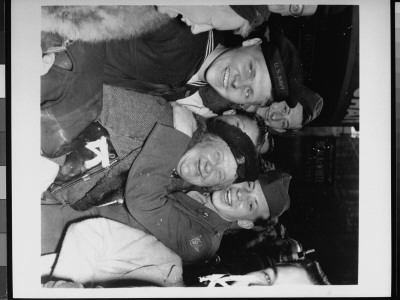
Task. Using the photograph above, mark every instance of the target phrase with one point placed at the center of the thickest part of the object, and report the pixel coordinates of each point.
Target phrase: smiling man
(249, 202)
(241, 74)
(225, 154)
(191, 224)
(129, 117)
(209, 163)
(174, 63)
(280, 117)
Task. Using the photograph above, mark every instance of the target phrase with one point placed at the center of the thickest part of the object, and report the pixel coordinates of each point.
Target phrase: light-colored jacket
(99, 251)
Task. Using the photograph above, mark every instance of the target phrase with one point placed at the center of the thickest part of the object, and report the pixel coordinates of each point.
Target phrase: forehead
(212, 142)
(209, 147)
(296, 116)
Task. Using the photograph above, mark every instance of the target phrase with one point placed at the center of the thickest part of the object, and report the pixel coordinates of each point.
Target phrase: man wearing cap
(190, 224)
(176, 64)
(280, 117)
(288, 105)
(129, 117)
(214, 161)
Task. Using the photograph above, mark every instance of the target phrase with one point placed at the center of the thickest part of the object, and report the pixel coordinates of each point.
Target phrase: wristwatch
(296, 10)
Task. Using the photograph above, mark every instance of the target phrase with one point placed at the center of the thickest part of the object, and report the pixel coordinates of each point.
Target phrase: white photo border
(374, 277)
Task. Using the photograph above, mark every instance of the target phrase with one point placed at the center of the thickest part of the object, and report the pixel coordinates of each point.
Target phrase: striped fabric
(209, 49)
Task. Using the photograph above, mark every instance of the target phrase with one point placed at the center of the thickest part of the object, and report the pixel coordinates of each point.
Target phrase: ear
(246, 224)
(251, 42)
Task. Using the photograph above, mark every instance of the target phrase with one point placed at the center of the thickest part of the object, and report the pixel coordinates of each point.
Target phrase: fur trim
(101, 23)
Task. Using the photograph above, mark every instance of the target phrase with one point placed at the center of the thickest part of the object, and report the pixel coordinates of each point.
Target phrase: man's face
(208, 164)
(241, 201)
(280, 275)
(281, 117)
(245, 124)
(241, 75)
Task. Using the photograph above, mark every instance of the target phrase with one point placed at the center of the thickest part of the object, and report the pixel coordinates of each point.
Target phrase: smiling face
(281, 117)
(208, 163)
(281, 275)
(241, 75)
(241, 201)
(245, 124)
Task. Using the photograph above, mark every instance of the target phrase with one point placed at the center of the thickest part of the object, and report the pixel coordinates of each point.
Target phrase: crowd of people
(155, 121)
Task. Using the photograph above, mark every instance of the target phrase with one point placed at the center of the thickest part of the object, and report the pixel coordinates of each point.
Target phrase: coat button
(205, 215)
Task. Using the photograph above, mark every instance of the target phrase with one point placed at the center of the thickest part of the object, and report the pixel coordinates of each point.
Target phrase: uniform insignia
(240, 160)
(196, 243)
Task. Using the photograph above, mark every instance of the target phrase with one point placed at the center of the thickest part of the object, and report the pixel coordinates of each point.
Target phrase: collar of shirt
(195, 104)
(201, 211)
(207, 62)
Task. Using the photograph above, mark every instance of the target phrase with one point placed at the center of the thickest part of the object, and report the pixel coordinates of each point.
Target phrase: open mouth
(228, 197)
(225, 78)
(199, 168)
(267, 114)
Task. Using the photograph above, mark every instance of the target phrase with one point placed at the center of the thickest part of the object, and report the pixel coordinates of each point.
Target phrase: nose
(240, 81)
(241, 195)
(209, 167)
(276, 116)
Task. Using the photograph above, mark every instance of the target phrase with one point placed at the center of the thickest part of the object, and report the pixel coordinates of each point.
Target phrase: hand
(184, 120)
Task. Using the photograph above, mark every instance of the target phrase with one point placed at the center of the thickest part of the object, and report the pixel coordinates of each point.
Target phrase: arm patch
(196, 243)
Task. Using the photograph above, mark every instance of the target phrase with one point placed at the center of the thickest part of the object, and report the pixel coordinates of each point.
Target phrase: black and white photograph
(213, 149)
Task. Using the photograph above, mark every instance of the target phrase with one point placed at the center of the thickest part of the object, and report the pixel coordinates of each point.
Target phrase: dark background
(324, 158)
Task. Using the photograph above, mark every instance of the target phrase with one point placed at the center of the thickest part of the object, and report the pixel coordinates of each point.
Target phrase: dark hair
(313, 269)
(262, 127)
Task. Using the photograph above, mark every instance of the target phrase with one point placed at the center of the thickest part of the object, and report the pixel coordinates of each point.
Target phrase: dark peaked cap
(285, 69)
(275, 186)
(286, 72)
